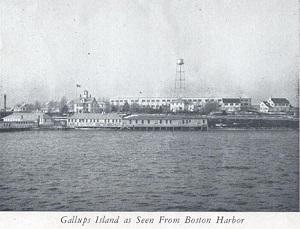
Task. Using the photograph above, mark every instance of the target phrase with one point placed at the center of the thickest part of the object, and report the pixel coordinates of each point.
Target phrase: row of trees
(136, 108)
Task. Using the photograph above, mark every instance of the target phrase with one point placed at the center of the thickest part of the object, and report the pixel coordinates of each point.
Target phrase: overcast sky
(129, 48)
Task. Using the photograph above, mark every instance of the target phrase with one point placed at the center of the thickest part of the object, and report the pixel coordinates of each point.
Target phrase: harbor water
(92, 170)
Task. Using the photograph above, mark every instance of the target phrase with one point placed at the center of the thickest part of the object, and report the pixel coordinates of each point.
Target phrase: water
(224, 170)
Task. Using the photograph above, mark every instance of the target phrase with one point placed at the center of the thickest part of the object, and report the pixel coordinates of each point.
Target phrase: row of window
(161, 121)
(189, 100)
(281, 104)
(18, 122)
(96, 120)
(166, 100)
(231, 104)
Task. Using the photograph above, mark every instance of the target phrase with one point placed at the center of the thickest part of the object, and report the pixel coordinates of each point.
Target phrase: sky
(130, 47)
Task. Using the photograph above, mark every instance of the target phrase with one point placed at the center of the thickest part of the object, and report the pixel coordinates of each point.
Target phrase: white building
(177, 105)
(86, 104)
(231, 104)
(275, 106)
(165, 122)
(38, 117)
(94, 120)
(24, 107)
(198, 102)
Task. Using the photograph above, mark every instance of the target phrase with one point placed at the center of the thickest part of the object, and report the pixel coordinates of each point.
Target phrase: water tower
(180, 78)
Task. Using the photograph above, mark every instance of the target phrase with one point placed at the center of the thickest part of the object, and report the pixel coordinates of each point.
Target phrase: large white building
(275, 105)
(85, 104)
(229, 104)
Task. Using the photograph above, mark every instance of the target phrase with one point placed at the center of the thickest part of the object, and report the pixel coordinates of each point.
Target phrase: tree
(135, 108)
(30, 107)
(64, 110)
(126, 107)
(37, 106)
(62, 104)
(210, 106)
(51, 106)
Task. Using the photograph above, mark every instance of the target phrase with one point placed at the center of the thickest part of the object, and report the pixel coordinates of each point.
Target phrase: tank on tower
(180, 78)
(180, 61)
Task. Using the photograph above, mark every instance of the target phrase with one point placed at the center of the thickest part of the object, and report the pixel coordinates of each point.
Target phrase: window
(164, 100)
(190, 100)
(199, 100)
(148, 121)
(125, 101)
(117, 100)
(157, 100)
(130, 121)
(231, 104)
(182, 121)
(152, 100)
(170, 121)
(160, 121)
(132, 101)
(148, 100)
(107, 120)
(136, 121)
(112, 101)
(203, 121)
(194, 100)
(143, 101)
(206, 100)
(121, 101)
(136, 100)
(142, 121)
(168, 100)
(166, 121)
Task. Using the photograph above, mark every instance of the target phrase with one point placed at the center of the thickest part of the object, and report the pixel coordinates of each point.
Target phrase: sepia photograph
(149, 106)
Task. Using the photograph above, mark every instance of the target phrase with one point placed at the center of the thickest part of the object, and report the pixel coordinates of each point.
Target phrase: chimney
(86, 93)
(4, 102)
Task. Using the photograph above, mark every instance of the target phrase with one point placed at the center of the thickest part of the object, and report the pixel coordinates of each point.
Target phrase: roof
(161, 116)
(267, 104)
(280, 100)
(95, 116)
(86, 100)
(28, 116)
(178, 100)
(231, 100)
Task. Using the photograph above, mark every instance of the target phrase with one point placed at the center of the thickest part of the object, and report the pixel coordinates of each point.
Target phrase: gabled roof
(95, 116)
(280, 100)
(231, 100)
(28, 116)
(86, 100)
(267, 104)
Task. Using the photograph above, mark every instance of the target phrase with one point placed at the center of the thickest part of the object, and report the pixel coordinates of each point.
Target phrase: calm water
(224, 170)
